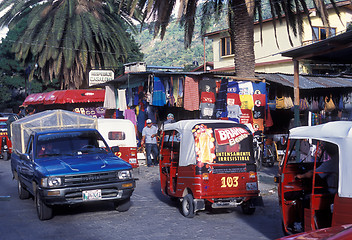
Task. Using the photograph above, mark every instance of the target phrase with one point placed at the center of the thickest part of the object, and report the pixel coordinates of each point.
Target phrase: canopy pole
(296, 92)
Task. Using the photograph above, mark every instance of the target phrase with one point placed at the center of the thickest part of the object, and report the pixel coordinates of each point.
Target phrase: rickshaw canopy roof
(187, 144)
(339, 133)
(106, 125)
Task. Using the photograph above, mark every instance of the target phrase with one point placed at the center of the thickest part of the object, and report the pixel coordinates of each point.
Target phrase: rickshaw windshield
(304, 151)
(223, 144)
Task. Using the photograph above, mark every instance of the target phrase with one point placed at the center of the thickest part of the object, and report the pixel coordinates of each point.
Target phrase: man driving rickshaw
(314, 184)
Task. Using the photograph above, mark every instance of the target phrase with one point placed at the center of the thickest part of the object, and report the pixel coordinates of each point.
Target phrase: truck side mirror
(115, 149)
(25, 157)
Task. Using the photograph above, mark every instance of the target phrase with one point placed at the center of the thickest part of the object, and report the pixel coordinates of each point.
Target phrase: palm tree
(67, 38)
(241, 14)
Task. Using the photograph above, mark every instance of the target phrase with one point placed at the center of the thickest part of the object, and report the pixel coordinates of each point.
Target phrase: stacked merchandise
(239, 101)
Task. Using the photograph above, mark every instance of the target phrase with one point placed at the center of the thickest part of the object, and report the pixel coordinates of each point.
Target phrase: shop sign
(100, 76)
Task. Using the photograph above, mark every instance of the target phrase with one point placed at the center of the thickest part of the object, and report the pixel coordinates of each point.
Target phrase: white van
(122, 133)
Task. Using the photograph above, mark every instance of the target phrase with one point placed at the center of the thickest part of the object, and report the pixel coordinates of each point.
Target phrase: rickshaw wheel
(187, 206)
(248, 208)
(5, 156)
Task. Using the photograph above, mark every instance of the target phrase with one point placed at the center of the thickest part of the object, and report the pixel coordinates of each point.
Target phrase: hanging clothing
(234, 113)
(159, 97)
(232, 87)
(259, 88)
(129, 97)
(245, 87)
(268, 119)
(220, 105)
(206, 110)
(130, 115)
(167, 90)
(141, 118)
(207, 97)
(135, 96)
(122, 99)
(258, 125)
(233, 99)
(246, 117)
(151, 113)
(259, 100)
(110, 99)
(246, 101)
(172, 97)
(259, 112)
(191, 96)
(149, 96)
(207, 85)
(179, 101)
(175, 89)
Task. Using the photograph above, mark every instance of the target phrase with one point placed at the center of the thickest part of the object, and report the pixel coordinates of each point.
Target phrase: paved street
(152, 216)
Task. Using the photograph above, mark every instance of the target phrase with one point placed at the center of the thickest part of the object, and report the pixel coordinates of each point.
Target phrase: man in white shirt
(149, 139)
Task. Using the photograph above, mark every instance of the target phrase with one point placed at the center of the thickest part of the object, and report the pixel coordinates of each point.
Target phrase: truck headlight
(51, 182)
(124, 174)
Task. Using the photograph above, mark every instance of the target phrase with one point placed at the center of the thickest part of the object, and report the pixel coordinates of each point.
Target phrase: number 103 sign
(229, 182)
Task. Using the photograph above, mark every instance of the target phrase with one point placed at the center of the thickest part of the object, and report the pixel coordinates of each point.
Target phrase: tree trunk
(242, 34)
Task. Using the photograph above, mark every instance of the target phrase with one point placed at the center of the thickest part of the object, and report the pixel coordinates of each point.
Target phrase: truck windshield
(70, 143)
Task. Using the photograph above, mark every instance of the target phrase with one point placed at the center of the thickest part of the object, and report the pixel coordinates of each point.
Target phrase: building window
(226, 46)
(321, 33)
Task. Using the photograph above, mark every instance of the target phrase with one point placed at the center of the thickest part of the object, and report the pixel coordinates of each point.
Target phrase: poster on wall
(222, 145)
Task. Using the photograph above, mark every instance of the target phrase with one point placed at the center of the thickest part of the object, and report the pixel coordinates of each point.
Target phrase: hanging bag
(329, 104)
(288, 102)
(280, 104)
(314, 106)
(272, 104)
(347, 102)
(340, 103)
(303, 104)
(321, 103)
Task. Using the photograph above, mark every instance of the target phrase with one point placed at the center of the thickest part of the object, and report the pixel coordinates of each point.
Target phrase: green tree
(240, 15)
(68, 38)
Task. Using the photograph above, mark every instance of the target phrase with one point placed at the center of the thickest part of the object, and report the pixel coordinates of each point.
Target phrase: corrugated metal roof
(308, 81)
(334, 49)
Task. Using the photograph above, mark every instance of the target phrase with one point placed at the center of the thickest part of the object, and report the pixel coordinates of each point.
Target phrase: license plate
(133, 160)
(91, 195)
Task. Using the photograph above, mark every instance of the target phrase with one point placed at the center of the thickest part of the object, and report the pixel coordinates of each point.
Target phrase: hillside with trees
(171, 51)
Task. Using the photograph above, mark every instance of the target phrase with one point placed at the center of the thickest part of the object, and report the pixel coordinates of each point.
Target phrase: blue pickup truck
(70, 166)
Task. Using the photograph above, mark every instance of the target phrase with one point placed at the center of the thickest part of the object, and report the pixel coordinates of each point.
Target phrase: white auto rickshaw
(121, 133)
(312, 193)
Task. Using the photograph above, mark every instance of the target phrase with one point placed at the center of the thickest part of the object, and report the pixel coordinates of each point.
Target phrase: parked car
(61, 159)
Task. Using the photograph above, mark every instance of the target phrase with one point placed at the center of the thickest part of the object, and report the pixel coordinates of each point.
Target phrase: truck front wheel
(22, 192)
(44, 211)
(123, 205)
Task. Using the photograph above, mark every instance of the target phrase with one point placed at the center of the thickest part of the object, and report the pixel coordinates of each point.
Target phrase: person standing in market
(149, 140)
(170, 118)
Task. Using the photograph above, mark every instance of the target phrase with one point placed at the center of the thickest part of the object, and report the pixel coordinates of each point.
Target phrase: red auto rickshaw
(6, 145)
(314, 182)
(208, 162)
